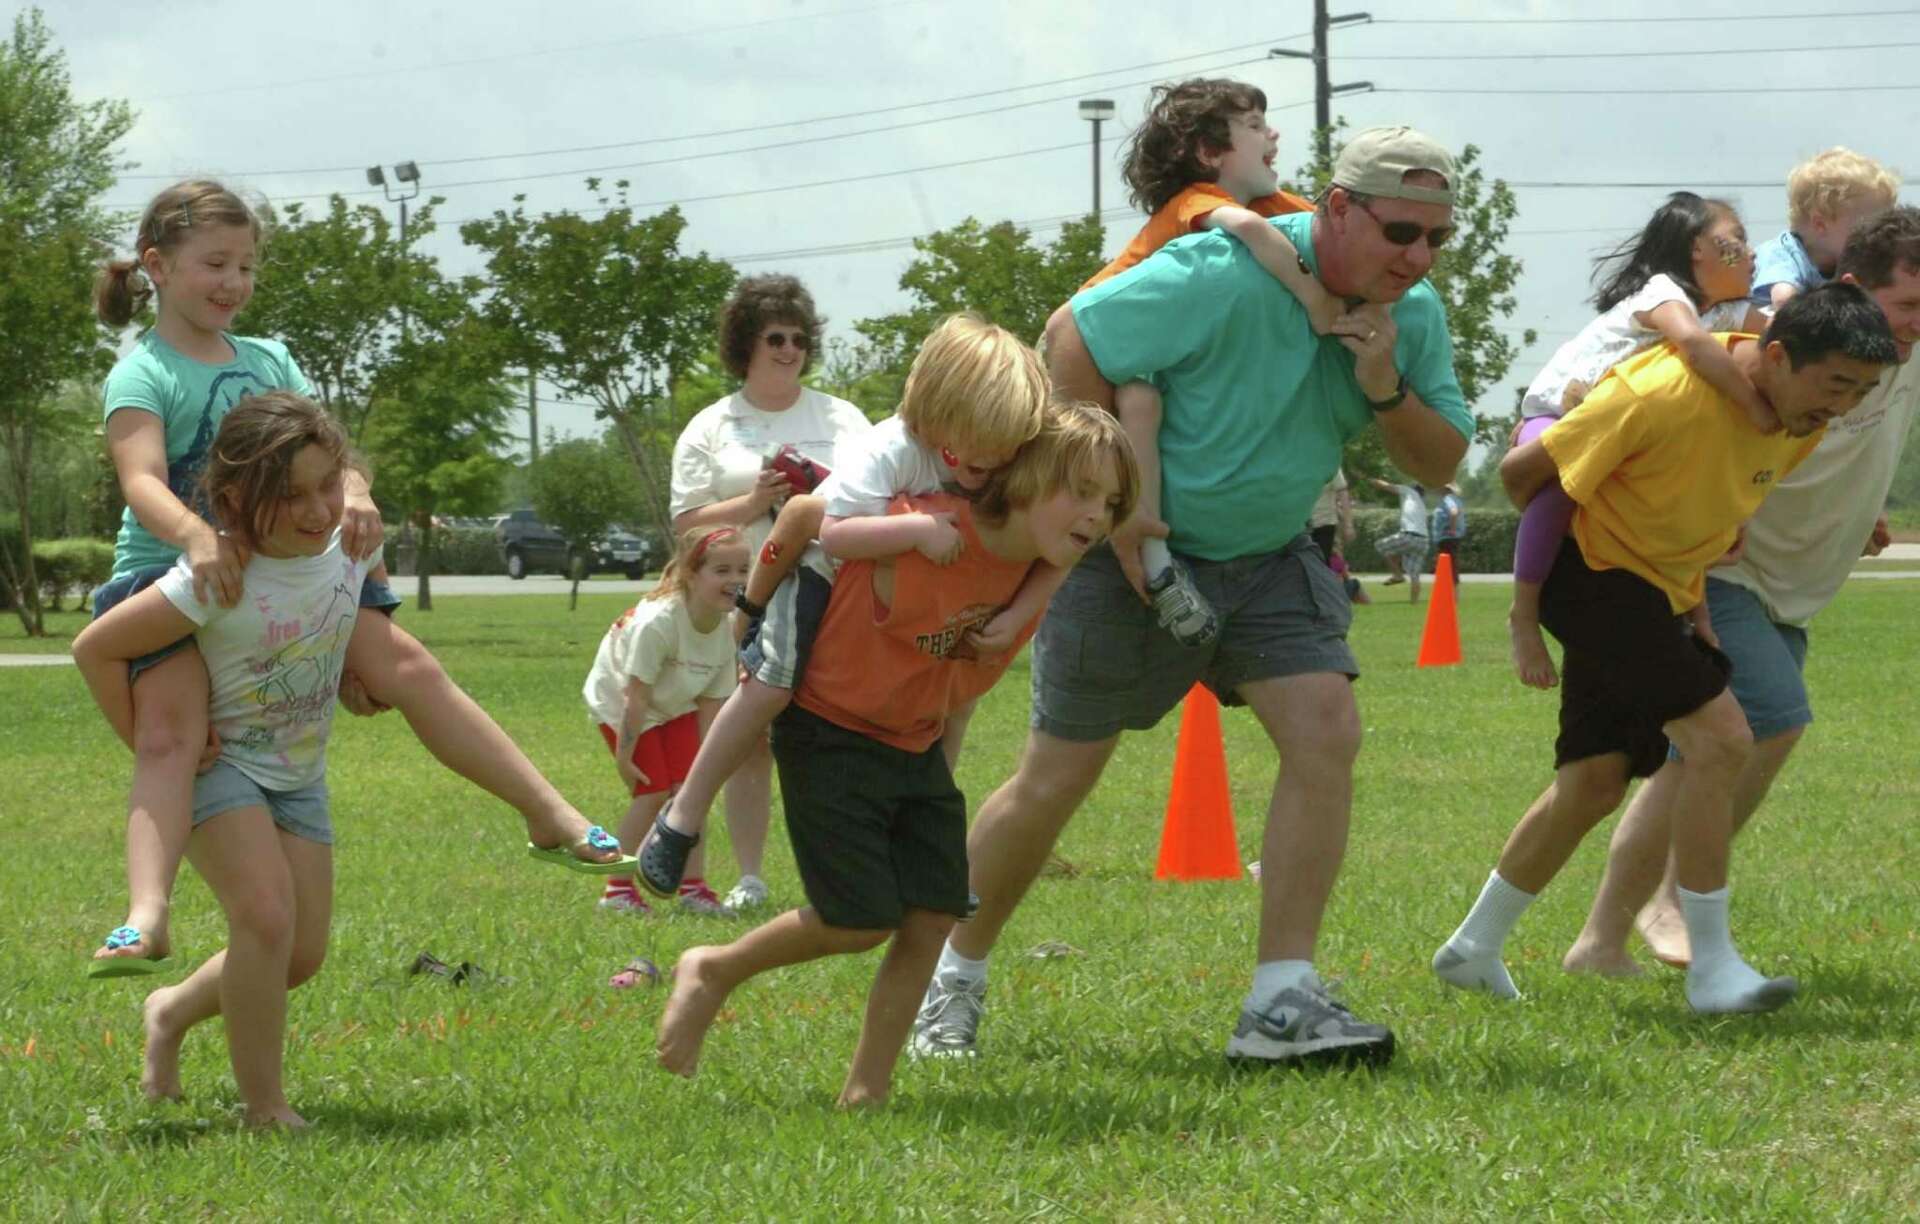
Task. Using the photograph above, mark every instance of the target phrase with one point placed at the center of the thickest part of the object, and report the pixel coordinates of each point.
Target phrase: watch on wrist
(1392, 401)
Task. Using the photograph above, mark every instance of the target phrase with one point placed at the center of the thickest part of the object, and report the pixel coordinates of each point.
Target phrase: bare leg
(1531, 662)
(1634, 860)
(171, 1011)
(750, 807)
(737, 736)
(1315, 725)
(1017, 826)
(398, 671)
(169, 730)
(892, 1004)
(1659, 921)
(1715, 746)
(704, 977)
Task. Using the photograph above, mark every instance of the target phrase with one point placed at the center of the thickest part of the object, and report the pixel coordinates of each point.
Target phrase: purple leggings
(1544, 523)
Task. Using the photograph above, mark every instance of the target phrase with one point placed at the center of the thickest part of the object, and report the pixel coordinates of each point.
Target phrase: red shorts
(664, 753)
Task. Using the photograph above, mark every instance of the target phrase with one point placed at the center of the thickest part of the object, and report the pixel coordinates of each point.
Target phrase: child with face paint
(1680, 280)
(974, 396)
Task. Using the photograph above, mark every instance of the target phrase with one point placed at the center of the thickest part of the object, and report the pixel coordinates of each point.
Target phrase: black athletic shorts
(876, 830)
(1631, 665)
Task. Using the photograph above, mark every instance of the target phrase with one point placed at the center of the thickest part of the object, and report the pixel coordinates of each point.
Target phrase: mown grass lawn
(1101, 1094)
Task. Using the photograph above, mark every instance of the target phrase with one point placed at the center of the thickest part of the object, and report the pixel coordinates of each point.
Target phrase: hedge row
(456, 550)
(1487, 548)
(63, 566)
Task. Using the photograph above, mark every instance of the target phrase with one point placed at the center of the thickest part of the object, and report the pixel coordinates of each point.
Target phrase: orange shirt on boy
(888, 672)
(1186, 214)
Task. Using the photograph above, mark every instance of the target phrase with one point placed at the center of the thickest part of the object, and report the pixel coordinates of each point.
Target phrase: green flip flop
(597, 838)
(101, 968)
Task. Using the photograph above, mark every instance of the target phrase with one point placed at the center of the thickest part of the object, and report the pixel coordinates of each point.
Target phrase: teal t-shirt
(190, 398)
(1256, 407)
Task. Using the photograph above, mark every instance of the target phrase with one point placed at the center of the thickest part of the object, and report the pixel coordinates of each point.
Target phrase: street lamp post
(405, 187)
(1096, 111)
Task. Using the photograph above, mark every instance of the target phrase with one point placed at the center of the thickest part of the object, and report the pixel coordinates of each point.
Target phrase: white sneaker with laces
(1180, 607)
(948, 1025)
(749, 893)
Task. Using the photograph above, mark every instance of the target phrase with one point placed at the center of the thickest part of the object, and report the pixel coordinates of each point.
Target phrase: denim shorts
(1769, 660)
(301, 812)
(1102, 664)
(118, 591)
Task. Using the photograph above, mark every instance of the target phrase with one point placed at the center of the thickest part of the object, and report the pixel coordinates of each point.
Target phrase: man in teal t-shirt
(1256, 409)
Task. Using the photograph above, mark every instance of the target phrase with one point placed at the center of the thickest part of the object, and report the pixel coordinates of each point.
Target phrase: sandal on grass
(126, 966)
(637, 972)
(663, 856)
(598, 840)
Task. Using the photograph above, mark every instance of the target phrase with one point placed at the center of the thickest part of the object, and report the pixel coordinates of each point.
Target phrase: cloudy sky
(819, 136)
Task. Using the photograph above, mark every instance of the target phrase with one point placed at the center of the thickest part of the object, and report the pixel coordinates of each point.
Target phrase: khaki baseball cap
(1377, 160)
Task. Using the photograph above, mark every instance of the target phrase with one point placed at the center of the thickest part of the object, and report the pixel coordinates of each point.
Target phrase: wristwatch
(1392, 401)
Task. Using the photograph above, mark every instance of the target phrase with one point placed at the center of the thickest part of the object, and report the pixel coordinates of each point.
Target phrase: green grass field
(1102, 1093)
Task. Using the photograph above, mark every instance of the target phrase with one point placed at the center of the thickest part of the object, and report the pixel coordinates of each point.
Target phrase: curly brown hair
(757, 301)
(1184, 121)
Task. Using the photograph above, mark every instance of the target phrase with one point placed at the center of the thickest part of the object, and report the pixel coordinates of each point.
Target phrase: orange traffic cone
(1198, 842)
(1440, 643)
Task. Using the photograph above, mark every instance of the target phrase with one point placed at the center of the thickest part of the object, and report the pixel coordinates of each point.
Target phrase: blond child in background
(1827, 195)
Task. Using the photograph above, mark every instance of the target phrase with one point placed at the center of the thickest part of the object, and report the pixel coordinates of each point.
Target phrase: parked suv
(528, 545)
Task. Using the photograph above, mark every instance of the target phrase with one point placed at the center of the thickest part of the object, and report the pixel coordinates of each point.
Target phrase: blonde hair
(250, 464)
(1826, 183)
(975, 387)
(690, 553)
(122, 287)
(1076, 444)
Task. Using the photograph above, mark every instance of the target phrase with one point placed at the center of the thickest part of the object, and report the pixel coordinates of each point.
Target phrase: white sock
(1272, 977)
(1718, 979)
(954, 965)
(1154, 556)
(1471, 956)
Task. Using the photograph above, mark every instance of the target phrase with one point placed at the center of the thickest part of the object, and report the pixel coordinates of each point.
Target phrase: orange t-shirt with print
(888, 672)
(1185, 214)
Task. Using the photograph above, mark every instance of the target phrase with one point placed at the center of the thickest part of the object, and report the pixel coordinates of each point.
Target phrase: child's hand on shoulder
(217, 560)
(940, 540)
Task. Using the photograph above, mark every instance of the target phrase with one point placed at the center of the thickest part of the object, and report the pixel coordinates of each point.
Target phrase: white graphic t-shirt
(274, 659)
(655, 643)
(1612, 338)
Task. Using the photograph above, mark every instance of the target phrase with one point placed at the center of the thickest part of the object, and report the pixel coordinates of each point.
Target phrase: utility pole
(533, 418)
(408, 175)
(1323, 87)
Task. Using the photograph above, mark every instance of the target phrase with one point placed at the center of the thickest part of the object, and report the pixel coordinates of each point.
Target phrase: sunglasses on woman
(1406, 233)
(799, 340)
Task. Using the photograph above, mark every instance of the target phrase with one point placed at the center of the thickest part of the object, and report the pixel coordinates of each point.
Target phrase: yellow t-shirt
(1665, 469)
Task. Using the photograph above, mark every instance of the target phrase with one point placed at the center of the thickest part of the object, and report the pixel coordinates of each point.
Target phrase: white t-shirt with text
(656, 643)
(274, 659)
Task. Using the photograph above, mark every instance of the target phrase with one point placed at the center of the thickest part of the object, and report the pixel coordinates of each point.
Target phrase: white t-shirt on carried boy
(655, 643)
(274, 659)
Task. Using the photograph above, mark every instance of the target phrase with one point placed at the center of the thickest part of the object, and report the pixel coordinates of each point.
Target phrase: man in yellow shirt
(1664, 470)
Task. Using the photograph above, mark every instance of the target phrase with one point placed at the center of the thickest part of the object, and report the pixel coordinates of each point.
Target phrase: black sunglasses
(799, 340)
(1406, 233)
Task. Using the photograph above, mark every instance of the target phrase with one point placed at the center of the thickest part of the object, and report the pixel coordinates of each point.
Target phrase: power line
(1749, 90)
(789, 123)
(1721, 18)
(598, 44)
(1584, 55)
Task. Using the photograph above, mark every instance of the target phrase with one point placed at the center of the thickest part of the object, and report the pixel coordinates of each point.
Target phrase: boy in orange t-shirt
(879, 829)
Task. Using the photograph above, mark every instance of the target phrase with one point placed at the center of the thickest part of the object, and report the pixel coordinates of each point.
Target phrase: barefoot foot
(160, 1067)
(1531, 662)
(279, 1117)
(1661, 924)
(696, 999)
(855, 1096)
(1591, 957)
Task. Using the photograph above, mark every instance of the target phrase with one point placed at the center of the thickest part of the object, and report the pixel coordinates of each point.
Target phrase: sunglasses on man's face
(1406, 233)
(799, 340)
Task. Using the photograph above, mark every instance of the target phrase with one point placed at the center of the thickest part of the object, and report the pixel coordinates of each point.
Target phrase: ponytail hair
(123, 287)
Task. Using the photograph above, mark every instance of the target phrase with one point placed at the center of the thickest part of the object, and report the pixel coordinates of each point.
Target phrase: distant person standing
(1405, 549)
(1448, 526)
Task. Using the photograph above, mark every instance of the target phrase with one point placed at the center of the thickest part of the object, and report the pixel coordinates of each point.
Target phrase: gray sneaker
(749, 893)
(1181, 609)
(1305, 1025)
(948, 1025)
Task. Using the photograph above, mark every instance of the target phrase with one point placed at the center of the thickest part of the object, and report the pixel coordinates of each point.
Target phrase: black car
(528, 546)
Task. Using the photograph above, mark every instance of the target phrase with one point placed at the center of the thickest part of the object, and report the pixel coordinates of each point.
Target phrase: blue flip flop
(598, 839)
(102, 967)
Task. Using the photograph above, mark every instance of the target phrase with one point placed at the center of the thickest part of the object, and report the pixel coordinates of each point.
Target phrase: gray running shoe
(749, 893)
(1305, 1025)
(1181, 609)
(948, 1025)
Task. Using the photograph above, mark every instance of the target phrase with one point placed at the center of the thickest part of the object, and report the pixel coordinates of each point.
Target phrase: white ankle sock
(1718, 979)
(1154, 556)
(1272, 977)
(1471, 956)
(954, 965)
